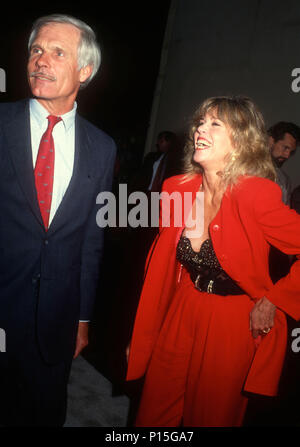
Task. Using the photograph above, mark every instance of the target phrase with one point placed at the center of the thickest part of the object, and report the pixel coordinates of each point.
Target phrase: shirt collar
(40, 114)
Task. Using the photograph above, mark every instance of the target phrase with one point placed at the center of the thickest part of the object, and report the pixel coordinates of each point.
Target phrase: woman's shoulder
(257, 194)
(255, 186)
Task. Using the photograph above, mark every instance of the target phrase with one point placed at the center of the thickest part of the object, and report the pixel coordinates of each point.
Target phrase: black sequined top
(205, 269)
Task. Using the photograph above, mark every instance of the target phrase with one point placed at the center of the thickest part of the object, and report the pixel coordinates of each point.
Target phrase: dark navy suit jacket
(48, 280)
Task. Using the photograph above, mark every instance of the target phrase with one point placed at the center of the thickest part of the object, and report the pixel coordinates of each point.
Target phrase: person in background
(210, 325)
(162, 161)
(158, 165)
(54, 163)
(284, 138)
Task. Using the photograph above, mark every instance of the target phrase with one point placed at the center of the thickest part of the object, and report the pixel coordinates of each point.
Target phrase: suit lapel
(81, 172)
(18, 139)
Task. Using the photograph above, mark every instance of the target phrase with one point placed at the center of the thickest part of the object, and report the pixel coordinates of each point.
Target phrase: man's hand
(82, 338)
(262, 317)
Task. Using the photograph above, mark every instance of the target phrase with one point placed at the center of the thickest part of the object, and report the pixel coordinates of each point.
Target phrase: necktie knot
(52, 121)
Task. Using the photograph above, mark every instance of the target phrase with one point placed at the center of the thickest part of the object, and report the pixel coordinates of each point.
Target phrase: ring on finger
(266, 330)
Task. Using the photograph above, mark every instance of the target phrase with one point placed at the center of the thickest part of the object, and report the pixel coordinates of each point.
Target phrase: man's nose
(42, 60)
(286, 153)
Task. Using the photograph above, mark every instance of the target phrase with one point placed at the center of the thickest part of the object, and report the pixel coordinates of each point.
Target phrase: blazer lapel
(81, 172)
(18, 137)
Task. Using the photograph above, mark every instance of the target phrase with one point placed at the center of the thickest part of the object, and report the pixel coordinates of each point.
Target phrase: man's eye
(60, 53)
(36, 50)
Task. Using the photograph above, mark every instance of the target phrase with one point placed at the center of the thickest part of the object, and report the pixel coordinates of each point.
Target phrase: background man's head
(63, 56)
(165, 141)
(284, 137)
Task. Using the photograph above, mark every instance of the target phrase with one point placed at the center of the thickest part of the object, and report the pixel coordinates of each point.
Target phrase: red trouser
(200, 362)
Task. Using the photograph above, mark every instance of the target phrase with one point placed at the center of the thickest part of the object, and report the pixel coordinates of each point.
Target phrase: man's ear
(271, 141)
(85, 73)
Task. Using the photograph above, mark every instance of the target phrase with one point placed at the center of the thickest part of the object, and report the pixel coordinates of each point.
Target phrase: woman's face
(212, 142)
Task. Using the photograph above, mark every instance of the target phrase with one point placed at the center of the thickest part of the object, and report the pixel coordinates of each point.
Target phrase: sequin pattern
(205, 269)
(204, 258)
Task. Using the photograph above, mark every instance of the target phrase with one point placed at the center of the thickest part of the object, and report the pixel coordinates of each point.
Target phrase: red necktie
(44, 170)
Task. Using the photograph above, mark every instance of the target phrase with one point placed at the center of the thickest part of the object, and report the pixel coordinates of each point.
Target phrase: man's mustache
(40, 74)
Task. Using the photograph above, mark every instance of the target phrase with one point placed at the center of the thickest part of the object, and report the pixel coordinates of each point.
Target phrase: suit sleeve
(281, 228)
(93, 244)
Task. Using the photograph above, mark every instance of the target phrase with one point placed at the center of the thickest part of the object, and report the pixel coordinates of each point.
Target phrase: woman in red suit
(210, 324)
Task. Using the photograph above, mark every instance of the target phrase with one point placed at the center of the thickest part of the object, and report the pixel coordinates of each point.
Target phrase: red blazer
(251, 217)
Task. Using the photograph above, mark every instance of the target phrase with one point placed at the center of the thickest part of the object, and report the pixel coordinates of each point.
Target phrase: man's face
(53, 67)
(282, 149)
(163, 145)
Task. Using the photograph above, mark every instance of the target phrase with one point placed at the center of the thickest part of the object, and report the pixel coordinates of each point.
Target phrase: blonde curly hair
(251, 154)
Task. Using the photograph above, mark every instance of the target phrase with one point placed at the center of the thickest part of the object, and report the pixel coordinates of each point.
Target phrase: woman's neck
(211, 183)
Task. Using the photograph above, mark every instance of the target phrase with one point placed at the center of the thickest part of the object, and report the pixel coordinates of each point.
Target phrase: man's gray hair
(88, 48)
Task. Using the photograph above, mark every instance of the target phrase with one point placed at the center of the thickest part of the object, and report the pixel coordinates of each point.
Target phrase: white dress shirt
(155, 167)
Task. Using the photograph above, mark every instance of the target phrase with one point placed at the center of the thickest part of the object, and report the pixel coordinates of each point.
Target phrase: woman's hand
(262, 317)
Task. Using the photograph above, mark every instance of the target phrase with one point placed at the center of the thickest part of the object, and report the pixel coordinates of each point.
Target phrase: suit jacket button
(36, 278)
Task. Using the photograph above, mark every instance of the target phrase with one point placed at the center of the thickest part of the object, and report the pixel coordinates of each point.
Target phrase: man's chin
(40, 94)
(278, 162)
(43, 97)
(42, 91)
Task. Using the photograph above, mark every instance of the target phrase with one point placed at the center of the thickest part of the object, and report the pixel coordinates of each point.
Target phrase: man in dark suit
(159, 165)
(53, 165)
